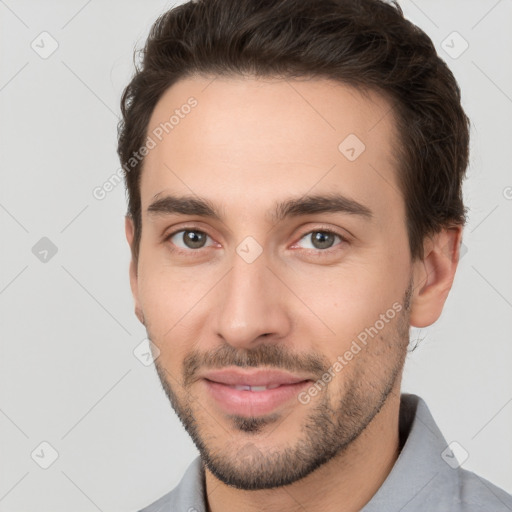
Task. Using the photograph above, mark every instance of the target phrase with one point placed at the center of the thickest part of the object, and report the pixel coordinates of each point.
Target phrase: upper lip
(253, 377)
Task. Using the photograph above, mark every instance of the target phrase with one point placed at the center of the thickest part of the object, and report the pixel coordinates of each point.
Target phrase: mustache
(269, 355)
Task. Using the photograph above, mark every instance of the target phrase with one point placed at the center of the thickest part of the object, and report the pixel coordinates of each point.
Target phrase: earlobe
(434, 275)
(134, 284)
(140, 315)
(129, 231)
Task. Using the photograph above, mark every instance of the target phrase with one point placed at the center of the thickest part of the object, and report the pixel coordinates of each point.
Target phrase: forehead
(230, 138)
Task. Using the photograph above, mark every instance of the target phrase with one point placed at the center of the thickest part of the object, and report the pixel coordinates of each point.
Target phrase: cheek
(346, 302)
(174, 302)
(162, 302)
(161, 289)
(163, 313)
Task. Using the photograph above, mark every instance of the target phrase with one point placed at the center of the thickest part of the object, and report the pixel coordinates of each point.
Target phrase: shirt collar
(420, 467)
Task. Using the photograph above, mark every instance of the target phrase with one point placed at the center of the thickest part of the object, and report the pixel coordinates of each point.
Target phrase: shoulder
(187, 496)
(478, 495)
(423, 479)
(160, 505)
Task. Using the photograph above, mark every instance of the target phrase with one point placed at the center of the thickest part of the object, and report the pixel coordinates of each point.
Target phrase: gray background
(68, 373)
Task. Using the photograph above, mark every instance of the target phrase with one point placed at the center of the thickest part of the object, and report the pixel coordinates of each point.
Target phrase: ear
(134, 282)
(433, 276)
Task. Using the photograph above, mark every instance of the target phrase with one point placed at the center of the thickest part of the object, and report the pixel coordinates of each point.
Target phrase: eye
(321, 239)
(188, 239)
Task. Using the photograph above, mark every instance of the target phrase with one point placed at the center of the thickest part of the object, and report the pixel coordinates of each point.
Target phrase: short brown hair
(364, 43)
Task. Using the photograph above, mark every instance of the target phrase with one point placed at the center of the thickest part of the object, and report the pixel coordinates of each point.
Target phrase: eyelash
(329, 250)
(317, 230)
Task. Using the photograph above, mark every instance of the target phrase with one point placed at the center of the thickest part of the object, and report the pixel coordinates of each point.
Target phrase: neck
(344, 484)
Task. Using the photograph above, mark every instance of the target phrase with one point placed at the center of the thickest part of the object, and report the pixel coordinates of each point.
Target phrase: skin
(248, 144)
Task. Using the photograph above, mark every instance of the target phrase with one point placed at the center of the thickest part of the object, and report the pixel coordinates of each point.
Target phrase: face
(274, 272)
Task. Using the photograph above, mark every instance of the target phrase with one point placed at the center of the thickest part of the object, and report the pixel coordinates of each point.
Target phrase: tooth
(258, 388)
(254, 388)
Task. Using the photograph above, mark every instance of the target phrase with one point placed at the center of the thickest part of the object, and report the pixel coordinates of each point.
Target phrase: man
(294, 174)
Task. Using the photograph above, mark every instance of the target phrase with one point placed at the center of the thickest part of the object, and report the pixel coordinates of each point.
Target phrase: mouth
(253, 393)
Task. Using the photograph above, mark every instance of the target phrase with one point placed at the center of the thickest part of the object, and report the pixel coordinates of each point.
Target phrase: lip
(253, 403)
(253, 377)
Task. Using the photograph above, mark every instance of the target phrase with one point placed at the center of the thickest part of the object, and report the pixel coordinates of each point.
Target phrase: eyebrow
(295, 207)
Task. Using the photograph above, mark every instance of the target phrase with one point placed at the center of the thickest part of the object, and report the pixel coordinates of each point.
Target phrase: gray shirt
(426, 476)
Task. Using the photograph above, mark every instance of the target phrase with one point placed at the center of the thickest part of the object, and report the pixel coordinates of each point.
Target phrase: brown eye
(189, 239)
(321, 240)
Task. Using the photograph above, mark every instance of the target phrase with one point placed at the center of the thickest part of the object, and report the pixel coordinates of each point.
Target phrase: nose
(252, 305)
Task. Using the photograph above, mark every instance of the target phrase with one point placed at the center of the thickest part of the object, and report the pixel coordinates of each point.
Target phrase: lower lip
(253, 403)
